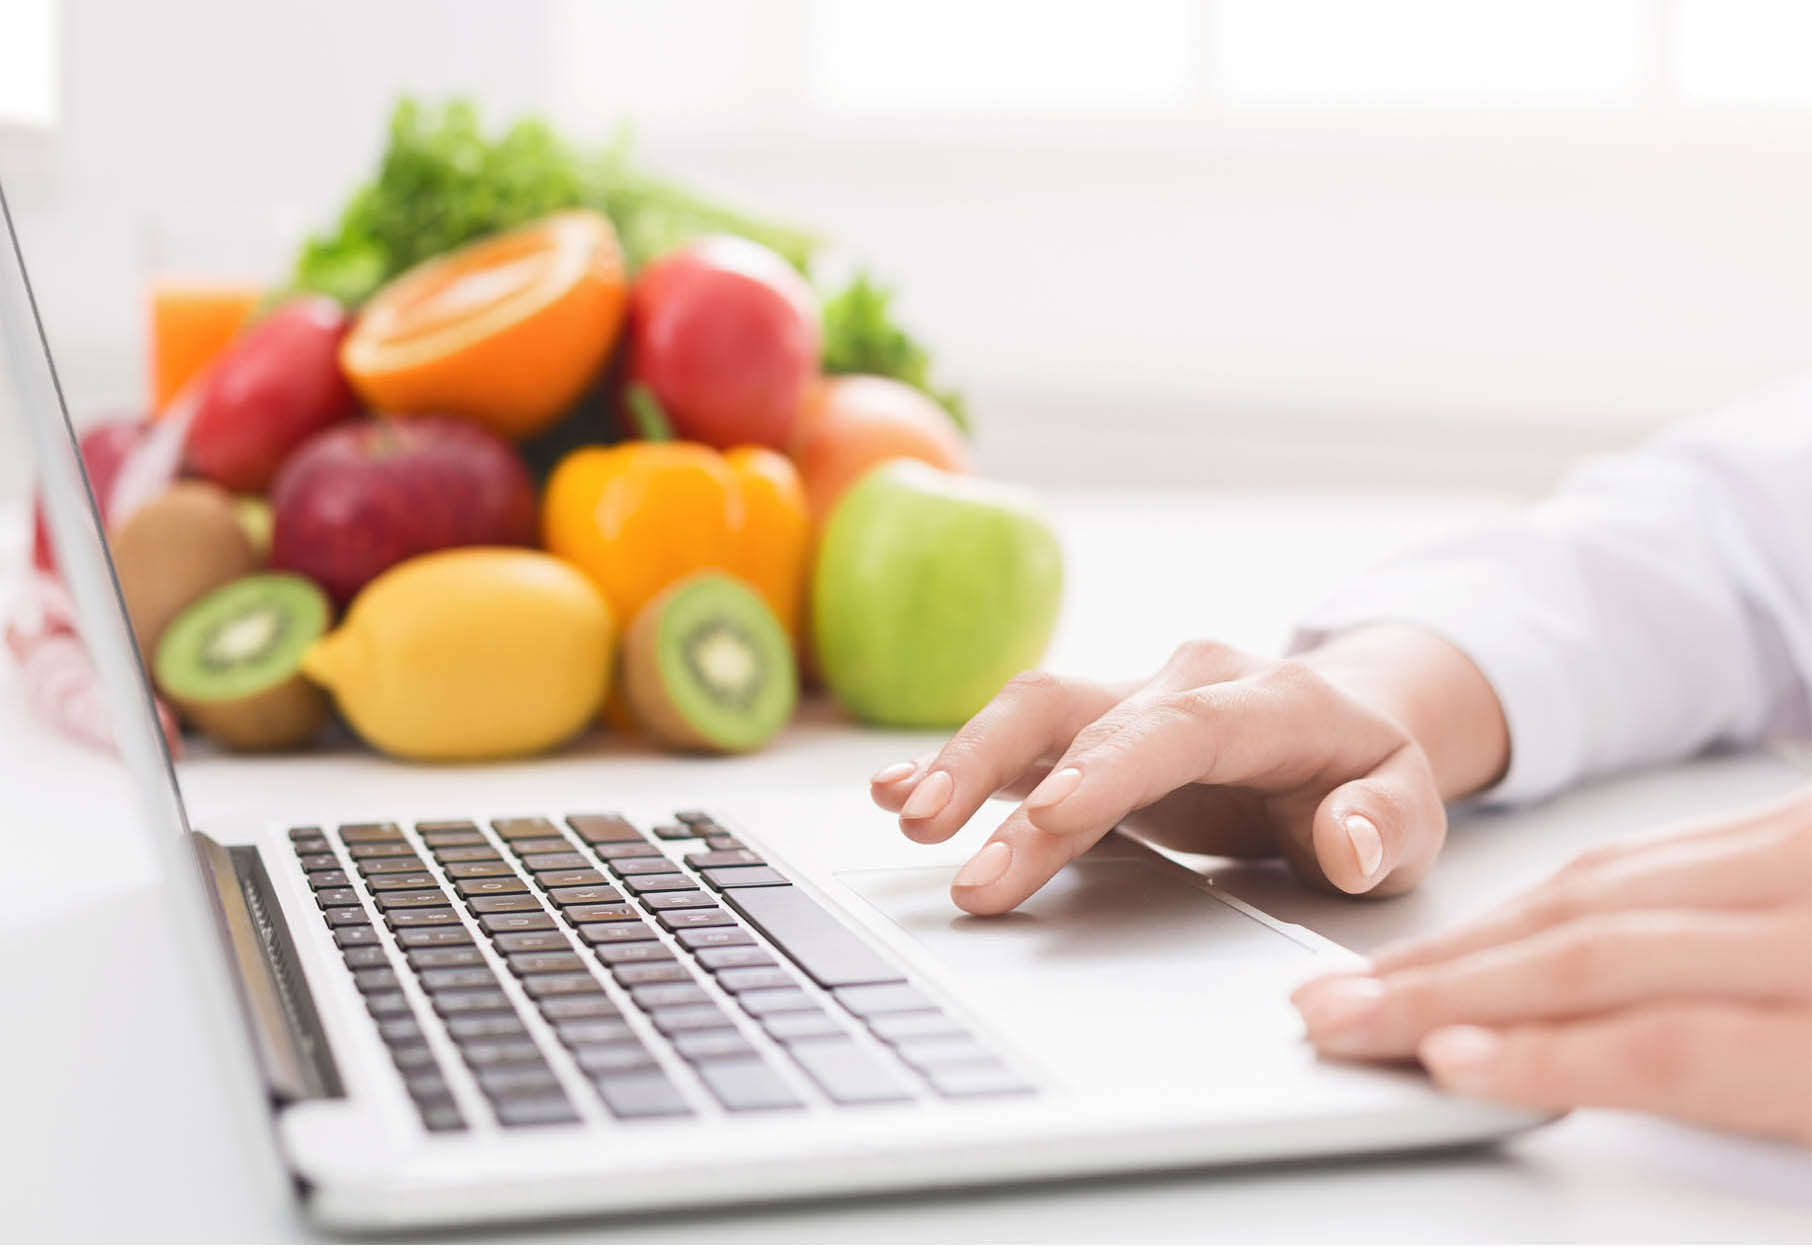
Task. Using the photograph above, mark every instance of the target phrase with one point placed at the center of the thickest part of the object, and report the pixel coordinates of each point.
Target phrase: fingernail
(1338, 1011)
(887, 775)
(1462, 1057)
(932, 795)
(986, 867)
(1368, 846)
(1054, 788)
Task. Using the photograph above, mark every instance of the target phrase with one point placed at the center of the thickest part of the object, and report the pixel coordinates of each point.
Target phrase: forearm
(1429, 687)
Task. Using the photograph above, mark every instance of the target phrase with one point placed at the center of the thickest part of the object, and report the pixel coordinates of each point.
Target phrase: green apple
(930, 591)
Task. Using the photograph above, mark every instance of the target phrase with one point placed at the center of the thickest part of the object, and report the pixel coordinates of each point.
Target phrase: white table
(111, 1128)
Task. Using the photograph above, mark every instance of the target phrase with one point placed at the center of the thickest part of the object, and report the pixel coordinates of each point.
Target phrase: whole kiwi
(173, 550)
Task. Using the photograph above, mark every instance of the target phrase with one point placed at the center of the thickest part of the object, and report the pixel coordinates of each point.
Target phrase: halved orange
(506, 331)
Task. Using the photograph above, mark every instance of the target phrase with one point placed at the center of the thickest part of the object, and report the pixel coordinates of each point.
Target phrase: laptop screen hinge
(286, 1028)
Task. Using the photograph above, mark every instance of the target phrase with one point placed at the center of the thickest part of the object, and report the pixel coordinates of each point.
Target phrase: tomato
(278, 383)
(104, 450)
(852, 423)
(725, 334)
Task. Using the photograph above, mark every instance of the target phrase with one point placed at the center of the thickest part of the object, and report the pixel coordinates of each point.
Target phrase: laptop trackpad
(1123, 955)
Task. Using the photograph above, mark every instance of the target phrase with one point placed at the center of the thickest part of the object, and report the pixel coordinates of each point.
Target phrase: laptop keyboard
(670, 972)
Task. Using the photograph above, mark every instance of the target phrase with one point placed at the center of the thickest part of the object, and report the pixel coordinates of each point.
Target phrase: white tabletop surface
(111, 1129)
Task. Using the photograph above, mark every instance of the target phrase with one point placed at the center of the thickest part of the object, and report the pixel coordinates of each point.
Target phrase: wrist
(1432, 690)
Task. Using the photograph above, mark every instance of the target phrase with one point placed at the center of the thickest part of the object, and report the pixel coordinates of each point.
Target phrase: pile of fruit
(535, 477)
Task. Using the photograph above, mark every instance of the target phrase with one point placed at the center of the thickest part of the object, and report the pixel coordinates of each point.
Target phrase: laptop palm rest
(1124, 962)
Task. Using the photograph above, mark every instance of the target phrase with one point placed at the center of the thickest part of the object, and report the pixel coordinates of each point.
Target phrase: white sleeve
(1660, 602)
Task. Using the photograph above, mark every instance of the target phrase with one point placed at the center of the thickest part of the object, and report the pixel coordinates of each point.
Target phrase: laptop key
(445, 955)
(934, 1054)
(377, 979)
(499, 924)
(564, 879)
(674, 832)
(636, 973)
(427, 1085)
(640, 866)
(482, 1053)
(345, 916)
(467, 853)
(534, 1111)
(723, 843)
(390, 866)
(302, 834)
(704, 1046)
(413, 1057)
(830, 953)
(381, 849)
(442, 1116)
(480, 870)
(319, 880)
(398, 1031)
(507, 903)
(614, 933)
(566, 861)
(641, 1094)
(702, 938)
(847, 1074)
(583, 895)
(603, 829)
(511, 1080)
(408, 879)
(664, 883)
(543, 845)
(639, 951)
(614, 912)
(468, 1028)
(747, 1084)
(983, 1079)
(765, 1001)
(361, 833)
(924, 1025)
(611, 851)
(790, 1029)
(364, 957)
(660, 996)
(387, 1004)
(688, 1018)
(410, 898)
(521, 829)
(744, 877)
(580, 983)
(501, 886)
(440, 838)
(686, 899)
(311, 845)
(319, 862)
(607, 1059)
(470, 1001)
(362, 934)
(875, 999)
(720, 959)
(533, 942)
(593, 1031)
(429, 937)
(438, 916)
(336, 897)
(724, 858)
(749, 978)
(690, 920)
(545, 963)
(458, 977)
(562, 1009)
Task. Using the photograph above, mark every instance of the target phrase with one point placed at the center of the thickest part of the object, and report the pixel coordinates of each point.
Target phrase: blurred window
(28, 63)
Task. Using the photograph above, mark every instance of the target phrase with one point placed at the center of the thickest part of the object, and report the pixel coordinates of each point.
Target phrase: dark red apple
(726, 335)
(357, 499)
(275, 385)
(105, 446)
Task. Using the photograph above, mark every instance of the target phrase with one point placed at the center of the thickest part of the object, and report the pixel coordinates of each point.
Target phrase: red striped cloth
(61, 685)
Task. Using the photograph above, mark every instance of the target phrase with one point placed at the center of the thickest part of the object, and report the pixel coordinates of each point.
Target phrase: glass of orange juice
(192, 320)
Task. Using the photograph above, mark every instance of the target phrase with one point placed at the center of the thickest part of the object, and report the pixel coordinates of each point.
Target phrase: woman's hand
(1672, 975)
(1318, 759)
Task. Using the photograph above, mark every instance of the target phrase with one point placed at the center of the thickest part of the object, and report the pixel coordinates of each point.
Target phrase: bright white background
(1365, 242)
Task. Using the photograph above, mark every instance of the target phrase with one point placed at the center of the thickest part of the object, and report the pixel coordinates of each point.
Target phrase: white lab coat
(1659, 603)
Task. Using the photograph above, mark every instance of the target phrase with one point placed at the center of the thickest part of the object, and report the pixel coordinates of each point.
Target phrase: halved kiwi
(232, 662)
(707, 666)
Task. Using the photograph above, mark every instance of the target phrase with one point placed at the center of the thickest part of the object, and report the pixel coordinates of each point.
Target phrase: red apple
(725, 334)
(275, 385)
(105, 447)
(360, 498)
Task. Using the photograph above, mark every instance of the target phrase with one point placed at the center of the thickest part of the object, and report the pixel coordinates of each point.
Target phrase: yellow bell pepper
(639, 516)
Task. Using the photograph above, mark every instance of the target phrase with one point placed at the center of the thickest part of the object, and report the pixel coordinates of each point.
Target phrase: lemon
(466, 654)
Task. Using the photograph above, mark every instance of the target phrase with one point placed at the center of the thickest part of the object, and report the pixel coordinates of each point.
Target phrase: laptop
(582, 1005)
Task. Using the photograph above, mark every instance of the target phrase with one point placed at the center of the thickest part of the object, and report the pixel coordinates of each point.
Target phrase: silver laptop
(559, 1008)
